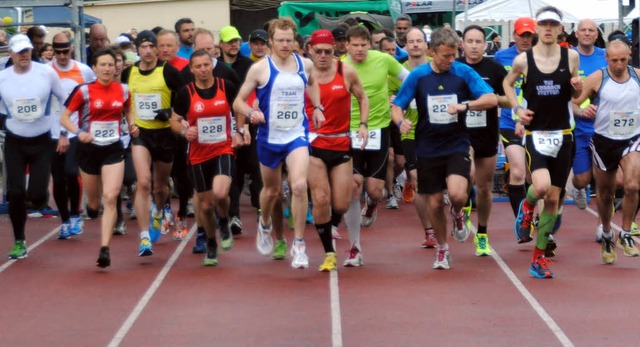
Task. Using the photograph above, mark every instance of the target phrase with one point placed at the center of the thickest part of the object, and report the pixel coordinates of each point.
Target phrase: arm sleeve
(181, 106)
(125, 75)
(407, 91)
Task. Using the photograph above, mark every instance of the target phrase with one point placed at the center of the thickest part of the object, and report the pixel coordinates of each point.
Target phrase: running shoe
(392, 202)
(397, 191)
(167, 219)
(599, 231)
(443, 259)
(580, 198)
(298, 253)
(280, 250)
(558, 223)
(264, 242)
(369, 213)
(409, 192)
(540, 268)
(120, 228)
(19, 250)
(355, 258)
(155, 226)
(145, 248)
(330, 262)
(482, 245)
(235, 224)
(226, 239)
(130, 210)
(181, 229)
(634, 229)
(190, 211)
(522, 226)
(608, 250)
(64, 233)
(429, 239)
(211, 258)
(628, 245)
(104, 258)
(335, 234)
(460, 231)
(77, 225)
(201, 243)
(550, 250)
(309, 218)
(467, 215)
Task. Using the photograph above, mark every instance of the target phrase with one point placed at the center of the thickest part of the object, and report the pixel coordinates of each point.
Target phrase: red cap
(321, 36)
(525, 25)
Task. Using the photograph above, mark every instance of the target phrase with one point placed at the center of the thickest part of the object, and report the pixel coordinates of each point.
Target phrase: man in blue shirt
(444, 90)
(184, 27)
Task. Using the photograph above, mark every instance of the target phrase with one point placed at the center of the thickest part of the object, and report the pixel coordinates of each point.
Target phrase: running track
(58, 297)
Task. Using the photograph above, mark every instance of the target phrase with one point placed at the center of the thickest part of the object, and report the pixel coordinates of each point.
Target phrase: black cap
(259, 34)
(146, 36)
(339, 33)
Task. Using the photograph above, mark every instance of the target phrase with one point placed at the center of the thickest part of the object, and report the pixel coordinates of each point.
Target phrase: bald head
(587, 34)
(60, 37)
(98, 37)
(618, 55)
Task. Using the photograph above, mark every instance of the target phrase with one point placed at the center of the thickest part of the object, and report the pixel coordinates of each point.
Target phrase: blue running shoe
(145, 248)
(167, 220)
(155, 227)
(540, 268)
(64, 231)
(522, 226)
(77, 225)
(201, 244)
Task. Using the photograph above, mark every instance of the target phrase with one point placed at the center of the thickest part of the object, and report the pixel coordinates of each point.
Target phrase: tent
(59, 16)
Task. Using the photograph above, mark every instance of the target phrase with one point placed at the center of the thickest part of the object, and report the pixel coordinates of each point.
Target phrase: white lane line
(133, 316)
(336, 316)
(595, 213)
(31, 248)
(546, 317)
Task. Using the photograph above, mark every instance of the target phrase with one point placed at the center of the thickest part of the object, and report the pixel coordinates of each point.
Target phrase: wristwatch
(366, 125)
(319, 107)
(240, 131)
(63, 133)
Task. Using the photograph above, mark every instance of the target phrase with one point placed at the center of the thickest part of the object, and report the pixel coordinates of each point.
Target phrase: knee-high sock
(352, 219)
(516, 194)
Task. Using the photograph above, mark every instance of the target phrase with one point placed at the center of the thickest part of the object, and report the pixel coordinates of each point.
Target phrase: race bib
(548, 142)
(476, 119)
(147, 104)
(27, 109)
(438, 108)
(373, 143)
(623, 124)
(104, 133)
(212, 130)
(285, 115)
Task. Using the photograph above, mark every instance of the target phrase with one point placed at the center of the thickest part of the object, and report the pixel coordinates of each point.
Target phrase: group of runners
(339, 126)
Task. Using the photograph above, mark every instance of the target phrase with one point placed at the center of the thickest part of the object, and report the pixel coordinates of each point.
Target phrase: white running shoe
(264, 242)
(392, 202)
(460, 230)
(443, 258)
(599, 231)
(580, 198)
(355, 258)
(300, 258)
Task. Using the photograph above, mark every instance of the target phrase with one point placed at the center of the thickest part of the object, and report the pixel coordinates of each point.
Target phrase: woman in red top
(101, 105)
(202, 114)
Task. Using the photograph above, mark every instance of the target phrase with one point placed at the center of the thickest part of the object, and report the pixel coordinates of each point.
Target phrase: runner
(202, 114)
(64, 165)
(551, 79)
(483, 131)
(184, 27)
(25, 93)
(97, 39)
(282, 134)
(101, 105)
(152, 83)
(258, 44)
(615, 89)
(524, 28)
(330, 167)
(445, 91)
(373, 69)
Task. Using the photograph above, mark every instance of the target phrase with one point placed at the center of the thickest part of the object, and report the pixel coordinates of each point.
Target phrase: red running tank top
(336, 100)
(212, 117)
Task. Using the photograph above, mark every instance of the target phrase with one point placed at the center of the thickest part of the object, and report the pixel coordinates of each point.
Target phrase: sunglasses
(327, 51)
(63, 51)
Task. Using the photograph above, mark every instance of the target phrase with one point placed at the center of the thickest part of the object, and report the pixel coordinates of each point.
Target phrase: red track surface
(57, 296)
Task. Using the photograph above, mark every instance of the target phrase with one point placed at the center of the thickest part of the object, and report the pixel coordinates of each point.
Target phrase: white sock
(144, 234)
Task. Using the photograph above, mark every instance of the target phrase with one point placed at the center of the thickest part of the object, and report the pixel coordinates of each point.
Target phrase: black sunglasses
(64, 51)
(327, 51)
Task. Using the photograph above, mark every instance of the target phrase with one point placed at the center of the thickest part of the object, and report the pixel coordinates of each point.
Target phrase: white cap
(548, 15)
(120, 39)
(19, 43)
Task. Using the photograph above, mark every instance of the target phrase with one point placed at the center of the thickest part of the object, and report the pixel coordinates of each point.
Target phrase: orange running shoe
(408, 192)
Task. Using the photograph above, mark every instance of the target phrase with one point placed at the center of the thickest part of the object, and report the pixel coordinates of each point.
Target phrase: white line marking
(336, 315)
(595, 213)
(133, 316)
(31, 248)
(546, 317)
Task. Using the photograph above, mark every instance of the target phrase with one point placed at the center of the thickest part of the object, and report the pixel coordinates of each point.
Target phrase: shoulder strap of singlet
(339, 68)
(220, 83)
(633, 74)
(564, 59)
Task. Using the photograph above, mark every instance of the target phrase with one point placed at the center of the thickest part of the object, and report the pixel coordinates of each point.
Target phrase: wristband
(517, 108)
(399, 123)
(366, 125)
(240, 131)
(467, 107)
(63, 133)
(78, 132)
(319, 107)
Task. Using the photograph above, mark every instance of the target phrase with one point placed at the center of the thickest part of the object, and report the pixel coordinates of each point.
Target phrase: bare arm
(589, 88)
(518, 68)
(356, 88)
(576, 81)
(240, 105)
(313, 89)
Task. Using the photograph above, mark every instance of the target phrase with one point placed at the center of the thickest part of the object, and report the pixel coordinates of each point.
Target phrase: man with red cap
(524, 29)
(330, 165)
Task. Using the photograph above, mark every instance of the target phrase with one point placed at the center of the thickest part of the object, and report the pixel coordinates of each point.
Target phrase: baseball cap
(229, 33)
(339, 33)
(259, 34)
(525, 25)
(19, 43)
(321, 36)
(146, 36)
